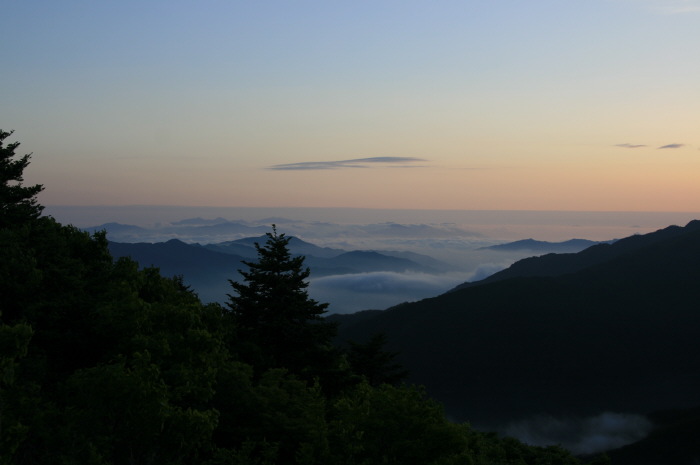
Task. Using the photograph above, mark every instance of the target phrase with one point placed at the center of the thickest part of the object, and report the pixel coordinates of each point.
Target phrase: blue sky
(544, 105)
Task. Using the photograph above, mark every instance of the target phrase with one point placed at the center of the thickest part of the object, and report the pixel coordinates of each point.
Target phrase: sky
(580, 105)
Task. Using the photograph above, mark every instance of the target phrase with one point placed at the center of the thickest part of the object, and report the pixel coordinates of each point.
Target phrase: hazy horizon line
(360, 208)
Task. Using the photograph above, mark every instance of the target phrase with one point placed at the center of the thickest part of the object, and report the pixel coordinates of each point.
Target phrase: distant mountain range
(222, 230)
(206, 271)
(613, 328)
(556, 264)
(570, 246)
(194, 227)
(207, 268)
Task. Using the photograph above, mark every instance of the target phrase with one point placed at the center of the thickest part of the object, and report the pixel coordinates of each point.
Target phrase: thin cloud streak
(404, 162)
(671, 146)
(630, 146)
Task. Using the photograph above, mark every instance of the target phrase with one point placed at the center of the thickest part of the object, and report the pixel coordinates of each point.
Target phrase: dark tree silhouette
(278, 324)
(18, 203)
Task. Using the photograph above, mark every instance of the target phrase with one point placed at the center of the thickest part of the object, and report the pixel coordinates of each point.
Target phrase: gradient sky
(472, 104)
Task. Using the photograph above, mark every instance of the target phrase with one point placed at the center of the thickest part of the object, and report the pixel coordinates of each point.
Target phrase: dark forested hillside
(555, 264)
(618, 334)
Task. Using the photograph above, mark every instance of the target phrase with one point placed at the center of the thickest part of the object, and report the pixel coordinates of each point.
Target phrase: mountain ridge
(569, 246)
(619, 335)
(558, 264)
(208, 268)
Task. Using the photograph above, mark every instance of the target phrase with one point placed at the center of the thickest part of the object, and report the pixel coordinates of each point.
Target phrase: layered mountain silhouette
(246, 247)
(206, 271)
(570, 246)
(208, 268)
(219, 230)
(555, 264)
(192, 227)
(612, 328)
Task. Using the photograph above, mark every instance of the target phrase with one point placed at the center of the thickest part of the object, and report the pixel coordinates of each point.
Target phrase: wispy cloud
(672, 146)
(353, 163)
(630, 146)
(636, 146)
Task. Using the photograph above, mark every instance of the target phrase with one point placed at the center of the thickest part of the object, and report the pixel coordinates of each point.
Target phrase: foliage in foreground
(105, 363)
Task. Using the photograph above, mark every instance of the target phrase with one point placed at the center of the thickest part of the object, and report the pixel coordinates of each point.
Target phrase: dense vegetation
(611, 329)
(102, 362)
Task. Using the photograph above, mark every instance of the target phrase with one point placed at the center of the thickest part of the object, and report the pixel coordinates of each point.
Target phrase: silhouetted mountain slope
(300, 247)
(620, 335)
(173, 255)
(559, 264)
(348, 319)
(232, 248)
(326, 260)
(296, 247)
(205, 270)
(570, 246)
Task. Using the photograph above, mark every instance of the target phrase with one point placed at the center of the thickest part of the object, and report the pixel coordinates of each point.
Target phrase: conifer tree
(18, 203)
(278, 324)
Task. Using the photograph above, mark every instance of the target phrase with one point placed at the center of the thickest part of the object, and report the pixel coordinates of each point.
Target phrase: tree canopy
(18, 203)
(274, 314)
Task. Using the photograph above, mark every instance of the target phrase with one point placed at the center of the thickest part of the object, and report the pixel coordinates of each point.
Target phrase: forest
(107, 362)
